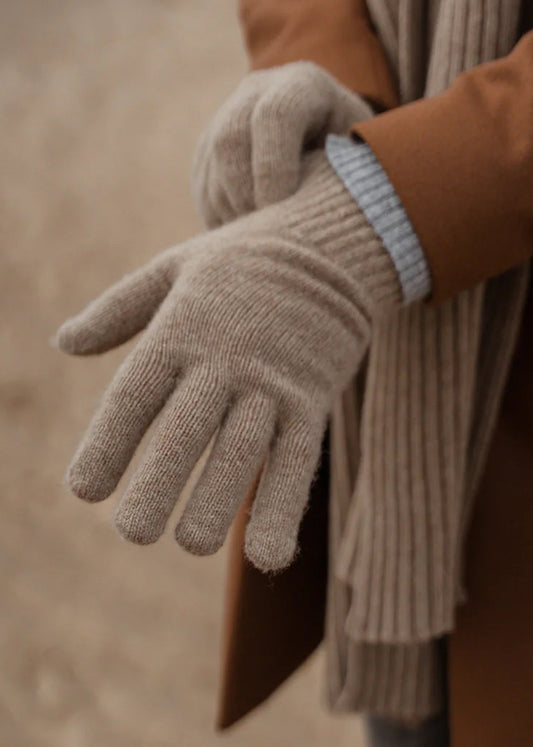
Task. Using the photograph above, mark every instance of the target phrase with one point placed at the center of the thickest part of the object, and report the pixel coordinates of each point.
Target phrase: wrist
(325, 214)
(367, 182)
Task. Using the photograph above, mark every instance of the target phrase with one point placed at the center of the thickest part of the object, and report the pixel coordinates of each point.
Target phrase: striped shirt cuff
(367, 182)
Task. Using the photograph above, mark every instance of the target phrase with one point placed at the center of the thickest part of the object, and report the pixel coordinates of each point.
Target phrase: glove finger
(272, 532)
(139, 390)
(205, 191)
(239, 450)
(220, 208)
(284, 121)
(222, 179)
(120, 312)
(199, 182)
(232, 156)
(347, 108)
(186, 427)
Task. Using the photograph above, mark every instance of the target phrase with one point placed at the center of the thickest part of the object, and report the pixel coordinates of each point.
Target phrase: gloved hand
(251, 154)
(250, 331)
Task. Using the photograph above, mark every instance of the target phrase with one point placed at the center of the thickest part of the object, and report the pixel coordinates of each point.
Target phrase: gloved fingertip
(138, 532)
(270, 555)
(53, 341)
(69, 339)
(86, 489)
(196, 541)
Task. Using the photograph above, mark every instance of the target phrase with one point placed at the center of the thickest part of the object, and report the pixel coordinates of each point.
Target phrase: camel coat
(474, 222)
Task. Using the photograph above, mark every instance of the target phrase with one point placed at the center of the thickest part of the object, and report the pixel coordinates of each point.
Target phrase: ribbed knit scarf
(403, 481)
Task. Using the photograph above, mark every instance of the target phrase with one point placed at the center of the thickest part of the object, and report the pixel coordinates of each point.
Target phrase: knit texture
(251, 331)
(404, 477)
(251, 154)
(367, 182)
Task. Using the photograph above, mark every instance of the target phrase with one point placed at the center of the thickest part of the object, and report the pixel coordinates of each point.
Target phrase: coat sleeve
(462, 165)
(335, 34)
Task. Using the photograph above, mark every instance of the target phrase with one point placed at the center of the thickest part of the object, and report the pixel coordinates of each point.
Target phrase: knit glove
(249, 332)
(251, 154)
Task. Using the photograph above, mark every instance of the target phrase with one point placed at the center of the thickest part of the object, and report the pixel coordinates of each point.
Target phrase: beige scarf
(403, 483)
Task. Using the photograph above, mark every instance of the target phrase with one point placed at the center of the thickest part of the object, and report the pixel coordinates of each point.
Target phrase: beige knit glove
(250, 330)
(251, 154)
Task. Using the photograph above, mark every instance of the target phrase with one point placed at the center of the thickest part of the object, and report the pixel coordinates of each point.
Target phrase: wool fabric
(403, 482)
(251, 331)
(368, 184)
(250, 155)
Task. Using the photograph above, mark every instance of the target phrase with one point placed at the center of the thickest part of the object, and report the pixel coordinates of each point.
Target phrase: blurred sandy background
(103, 644)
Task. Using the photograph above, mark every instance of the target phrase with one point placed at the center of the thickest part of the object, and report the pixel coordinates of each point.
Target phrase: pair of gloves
(249, 331)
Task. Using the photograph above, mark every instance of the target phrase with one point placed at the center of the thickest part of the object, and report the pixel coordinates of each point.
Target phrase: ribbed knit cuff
(367, 182)
(326, 214)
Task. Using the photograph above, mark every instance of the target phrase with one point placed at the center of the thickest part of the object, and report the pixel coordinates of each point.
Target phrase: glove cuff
(325, 214)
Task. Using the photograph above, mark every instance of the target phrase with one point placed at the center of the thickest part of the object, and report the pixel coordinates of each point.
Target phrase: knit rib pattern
(369, 185)
(431, 393)
(398, 550)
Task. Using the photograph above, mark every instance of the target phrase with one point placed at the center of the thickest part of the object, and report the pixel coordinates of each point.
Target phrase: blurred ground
(103, 644)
